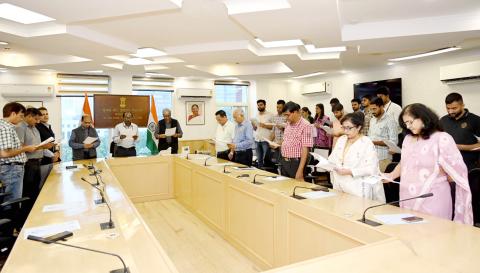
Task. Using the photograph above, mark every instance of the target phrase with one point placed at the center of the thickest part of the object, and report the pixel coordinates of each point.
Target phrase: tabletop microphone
(206, 159)
(373, 223)
(262, 175)
(48, 241)
(318, 188)
(102, 194)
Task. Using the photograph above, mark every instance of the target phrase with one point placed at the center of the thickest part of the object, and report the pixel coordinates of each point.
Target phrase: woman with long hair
(322, 140)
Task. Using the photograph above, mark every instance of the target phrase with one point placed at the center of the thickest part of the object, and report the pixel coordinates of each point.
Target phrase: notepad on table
(316, 194)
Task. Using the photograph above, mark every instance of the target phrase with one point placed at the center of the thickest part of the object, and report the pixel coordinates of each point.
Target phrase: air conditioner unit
(27, 90)
(194, 93)
(317, 88)
(460, 73)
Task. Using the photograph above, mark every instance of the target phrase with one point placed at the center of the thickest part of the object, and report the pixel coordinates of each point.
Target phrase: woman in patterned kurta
(322, 140)
(430, 158)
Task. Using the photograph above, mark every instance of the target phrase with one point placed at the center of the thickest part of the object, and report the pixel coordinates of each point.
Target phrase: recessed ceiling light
(344, 71)
(21, 15)
(46, 69)
(309, 75)
(121, 58)
(3, 43)
(390, 63)
(138, 61)
(114, 65)
(247, 6)
(93, 71)
(154, 67)
(153, 74)
(282, 43)
(426, 54)
(312, 49)
(147, 52)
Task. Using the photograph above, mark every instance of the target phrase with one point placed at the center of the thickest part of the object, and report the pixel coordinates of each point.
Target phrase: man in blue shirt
(241, 148)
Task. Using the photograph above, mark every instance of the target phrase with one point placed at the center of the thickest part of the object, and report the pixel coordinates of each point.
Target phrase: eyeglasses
(348, 128)
(408, 123)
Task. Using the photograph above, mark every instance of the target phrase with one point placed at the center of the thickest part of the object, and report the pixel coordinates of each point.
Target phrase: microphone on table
(98, 201)
(224, 168)
(262, 175)
(206, 159)
(373, 223)
(318, 188)
(49, 241)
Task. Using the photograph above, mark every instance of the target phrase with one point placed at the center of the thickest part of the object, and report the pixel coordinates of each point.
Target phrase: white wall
(420, 83)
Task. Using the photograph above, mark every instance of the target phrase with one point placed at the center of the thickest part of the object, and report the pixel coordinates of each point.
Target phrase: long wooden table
(277, 232)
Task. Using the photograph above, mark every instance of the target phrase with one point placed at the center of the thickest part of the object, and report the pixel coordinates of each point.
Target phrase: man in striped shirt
(297, 141)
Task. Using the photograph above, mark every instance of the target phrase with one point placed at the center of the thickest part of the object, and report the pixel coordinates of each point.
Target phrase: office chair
(474, 181)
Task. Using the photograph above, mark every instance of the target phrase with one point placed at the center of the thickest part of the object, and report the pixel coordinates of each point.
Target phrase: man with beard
(262, 125)
(382, 127)
(366, 99)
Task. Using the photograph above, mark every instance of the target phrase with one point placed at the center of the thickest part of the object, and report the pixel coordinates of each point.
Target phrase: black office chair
(474, 181)
(314, 175)
(392, 190)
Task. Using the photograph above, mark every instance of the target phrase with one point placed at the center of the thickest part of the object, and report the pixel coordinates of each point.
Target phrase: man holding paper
(168, 132)
(84, 140)
(223, 135)
(28, 134)
(125, 135)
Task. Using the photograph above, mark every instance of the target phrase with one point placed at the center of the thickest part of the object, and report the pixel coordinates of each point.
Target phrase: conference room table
(275, 231)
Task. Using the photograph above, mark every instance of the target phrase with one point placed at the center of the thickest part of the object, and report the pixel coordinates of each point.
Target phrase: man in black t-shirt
(464, 127)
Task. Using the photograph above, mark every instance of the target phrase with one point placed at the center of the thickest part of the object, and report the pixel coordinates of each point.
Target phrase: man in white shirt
(382, 128)
(125, 135)
(262, 125)
(390, 107)
(224, 134)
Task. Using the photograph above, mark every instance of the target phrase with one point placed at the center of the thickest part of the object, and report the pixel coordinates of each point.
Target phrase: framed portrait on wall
(195, 112)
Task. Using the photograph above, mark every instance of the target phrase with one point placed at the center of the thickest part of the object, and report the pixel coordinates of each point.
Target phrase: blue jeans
(263, 150)
(12, 178)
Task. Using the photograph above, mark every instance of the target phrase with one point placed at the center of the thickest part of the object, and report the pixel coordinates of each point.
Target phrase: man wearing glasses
(382, 128)
(297, 141)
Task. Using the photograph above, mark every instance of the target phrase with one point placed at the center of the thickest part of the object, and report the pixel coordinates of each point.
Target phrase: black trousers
(223, 155)
(124, 152)
(31, 181)
(244, 157)
(166, 145)
(289, 167)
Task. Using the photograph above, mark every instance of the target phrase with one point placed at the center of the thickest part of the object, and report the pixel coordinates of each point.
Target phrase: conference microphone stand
(102, 194)
(262, 175)
(373, 223)
(294, 195)
(206, 159)
(46, 241)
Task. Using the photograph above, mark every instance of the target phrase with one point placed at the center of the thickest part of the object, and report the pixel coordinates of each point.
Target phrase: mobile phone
(71, 167)
(412, 219)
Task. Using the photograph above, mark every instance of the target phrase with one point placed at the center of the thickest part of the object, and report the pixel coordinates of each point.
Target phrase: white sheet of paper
(323, 162)
(166, 152)
(316, 194)
(392, 146)
(386, 178)
(278, 178)
(46, 141)
(170, 131)
(90, 140)
(372, 180)
(63, 206)
(478, 138)
(327, 129)
(396, 219)
(43, 231)
(271, 143)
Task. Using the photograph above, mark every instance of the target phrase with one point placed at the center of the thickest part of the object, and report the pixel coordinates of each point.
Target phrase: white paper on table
(278, 178)
(62, 206)
(323, 162)
(90, 140)
(271, 143)
(327, 129)
(316, 194)
(43, 231)
(170, 131)
(396, 219)
(46, 141)
(166, 152)
(392, 146)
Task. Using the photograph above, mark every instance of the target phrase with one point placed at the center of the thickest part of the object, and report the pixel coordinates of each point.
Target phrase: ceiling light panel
(312, 49)
(21, 15)
(282, 43)
(138, 61)
(248, 6)
(309, 75)
(426, 54)
(148, 52)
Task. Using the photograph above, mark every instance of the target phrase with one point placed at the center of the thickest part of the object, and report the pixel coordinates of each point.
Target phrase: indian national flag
(86, 109)
(152, 142)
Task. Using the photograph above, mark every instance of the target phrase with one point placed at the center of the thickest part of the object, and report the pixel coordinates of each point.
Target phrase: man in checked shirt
(297, 141)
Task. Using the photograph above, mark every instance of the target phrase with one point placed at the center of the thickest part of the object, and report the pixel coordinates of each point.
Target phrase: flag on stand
(86, 109)
(152, 142)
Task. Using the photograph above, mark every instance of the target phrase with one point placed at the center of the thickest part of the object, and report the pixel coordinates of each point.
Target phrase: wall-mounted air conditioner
(317, 88)
(460, 73)
(26, 90)
(194, 93)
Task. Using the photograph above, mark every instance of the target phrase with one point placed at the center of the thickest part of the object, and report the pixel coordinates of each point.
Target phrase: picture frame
(195, 112)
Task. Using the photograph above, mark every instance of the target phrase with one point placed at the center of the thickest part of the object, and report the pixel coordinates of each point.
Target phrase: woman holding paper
(430, 159)
(323, 140)
(356, 164)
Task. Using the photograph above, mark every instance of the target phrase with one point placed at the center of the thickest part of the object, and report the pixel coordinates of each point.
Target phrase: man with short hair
(223, 135)
(356, 105)
(164, 141)
(334, 101)
(49, 156)
(241, 148)
(366, 99)
(382, 127)
(29, 135)
(390, 107)
(81, 150)
(125, 135)
(263, 128)
(280, 122)
(337, 130)
(12, 153)
(297, 141)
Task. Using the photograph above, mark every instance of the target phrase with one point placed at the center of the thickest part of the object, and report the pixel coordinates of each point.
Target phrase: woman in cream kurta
(356, 160)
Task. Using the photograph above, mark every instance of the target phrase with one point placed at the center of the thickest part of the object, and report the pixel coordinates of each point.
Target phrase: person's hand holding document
(271, 143)
(323, 162)
(327, 129)
(90, 140)
(170, 131)
(392, 146)
(46, 144)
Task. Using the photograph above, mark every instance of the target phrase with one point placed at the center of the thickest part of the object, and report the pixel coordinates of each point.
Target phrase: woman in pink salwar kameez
(430, 158)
